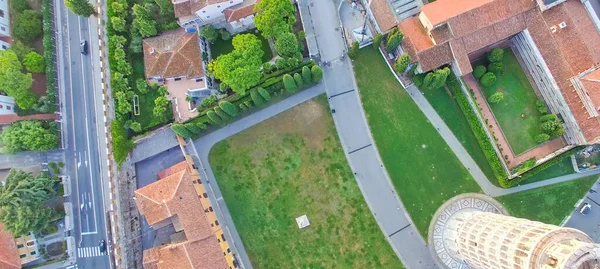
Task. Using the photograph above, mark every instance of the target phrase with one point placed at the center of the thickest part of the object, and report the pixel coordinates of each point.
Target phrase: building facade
(233, 15)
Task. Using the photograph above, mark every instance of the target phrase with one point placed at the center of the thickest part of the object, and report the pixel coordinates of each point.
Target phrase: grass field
(550, 204)
(292, 165)
(565, 167)
(445, 105)
(423, 169)
(519, 99)
(146, 117)
(221, 47)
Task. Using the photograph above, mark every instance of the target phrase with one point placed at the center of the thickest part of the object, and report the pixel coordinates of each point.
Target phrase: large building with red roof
(234, 15)
(9, 255)
(558, 41)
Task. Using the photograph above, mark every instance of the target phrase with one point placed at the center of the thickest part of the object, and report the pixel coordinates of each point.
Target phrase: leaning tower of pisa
(475, 231)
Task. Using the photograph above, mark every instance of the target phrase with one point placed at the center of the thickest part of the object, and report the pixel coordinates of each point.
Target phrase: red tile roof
(10, 118)
(234, 14)
(441, 11)
(383, 14)
(189, 7)
(173, 54)
(9, 256)
(174, 169)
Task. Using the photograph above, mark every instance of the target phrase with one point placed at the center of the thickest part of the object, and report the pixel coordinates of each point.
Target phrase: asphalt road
(83, 147)
(590, 223)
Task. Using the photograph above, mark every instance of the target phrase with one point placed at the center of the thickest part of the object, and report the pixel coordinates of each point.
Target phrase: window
(3, 29)
(218, 6)
(1, 13)
(32, 253)
(7, 107)
(208, 17)
(203, 11)
(22, 256)
(20, 246)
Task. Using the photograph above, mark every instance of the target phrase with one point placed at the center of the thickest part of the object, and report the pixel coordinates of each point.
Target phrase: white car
(585, 209)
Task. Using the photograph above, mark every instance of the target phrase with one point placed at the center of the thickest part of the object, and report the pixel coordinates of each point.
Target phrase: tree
(541, 106)
(495, 67)
(181, 130)
(488, 79)
(496, 55)
(549, 117)
(14, 82)
(20, 49)
(393, 40)
(34, 62)
(274, 17)
(496, 98)
(141, 85)
(118, 24)
(28, 26)
(289, 83)
(135, 126)
(479, 71)
(256, 98)
(160, 107)
(317, 73)
(298, 80)
(165, 6)
(225, 35)
(213, 117)
(143, 21)
(210, 33)
(281, 63)
(541, 138)
(136, 43)
(435, 79)
(228, 108)
(306, 75)
(19, 5)
(286, 45)
(240, 69)
(353, 52)
(80, 7)
(22, 188)
(264, 94)
(29, 135)
(377, 40)
(22, 220)
(402, 63)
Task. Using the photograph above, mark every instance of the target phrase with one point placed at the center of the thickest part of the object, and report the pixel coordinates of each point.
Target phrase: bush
(479, 71)
(292, 62)
(281, 63)
(496, 55)
(181, 130)
(495, 67)
(209, 101)
(193, 128)
(541, 106)
(289, 83)
(402, 63)
(496, 97)
(19, 5)
(549, 117)
(225, 35)
(209, 33)
(268, 67)
(213, 117)
(141, 85)
(301, 35)
(541, 138)
(377, 40)
(435, 79)
(256, 98)
(353, 52)
(286, 45)
(394, 39)
(264, 94)
(229, 108)
(224, 116)
(299, 80)
(34, 62)
(488, 79)
(28, 26)
(317, 73)
(306, 75)
(121, 144)
(549, 126)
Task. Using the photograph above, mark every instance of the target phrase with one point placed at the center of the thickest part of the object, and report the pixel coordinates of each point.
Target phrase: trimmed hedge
(256, 98)
(264, 94)
(181, 130)
(289, 83)
(299, 80)
(222, 114)
(229, 108)
(306, 74)
(548, 117)
(479, 71)
(214, 118)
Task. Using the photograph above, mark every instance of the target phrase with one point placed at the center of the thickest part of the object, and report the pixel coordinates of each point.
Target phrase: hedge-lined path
(536, 152)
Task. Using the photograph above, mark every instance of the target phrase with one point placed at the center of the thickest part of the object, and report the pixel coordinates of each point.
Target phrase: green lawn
(288, 166)
(221, 47)
(146, 117)
(447, 107)
(564, 167)
(519, 99)
(550, 204)
(423, 169)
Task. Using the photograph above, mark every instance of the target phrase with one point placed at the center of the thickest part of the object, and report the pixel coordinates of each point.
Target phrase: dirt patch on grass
(39, 84)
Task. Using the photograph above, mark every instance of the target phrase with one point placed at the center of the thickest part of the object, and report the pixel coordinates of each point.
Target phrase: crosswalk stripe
(89, 252)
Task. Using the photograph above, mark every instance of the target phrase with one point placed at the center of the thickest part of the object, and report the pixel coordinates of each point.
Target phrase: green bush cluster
(189, 129)
(496, 98)
(524, 166)
(402, 63)
(541, 106)
(488, 79)
(394, 39)
(47, 104)
(353, 52)
(541, 138)
(432, 80)
(479, 71)
(495, 55)
(120, 141)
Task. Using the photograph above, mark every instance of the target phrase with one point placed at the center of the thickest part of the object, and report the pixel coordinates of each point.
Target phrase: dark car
(84, 47)
(102, 246)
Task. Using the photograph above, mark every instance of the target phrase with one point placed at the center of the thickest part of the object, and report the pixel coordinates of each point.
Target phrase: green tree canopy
(496, 97)
(393, 40)
(289, 83)
(14, 82)
(317, 73)
(488, 79)
(210, 33)
(29, 135)
(34, 62)
(306, 75)
(274, 17)
(436, 79)
(287, 45)
(377, 40)
(402, 63)
(143, 21)
(479, 71)
(80, 7)
(496, 55)
(240, 69)
(28, 26)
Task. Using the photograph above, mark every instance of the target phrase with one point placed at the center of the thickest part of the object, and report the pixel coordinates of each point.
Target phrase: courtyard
(222, 46)
(289, 166)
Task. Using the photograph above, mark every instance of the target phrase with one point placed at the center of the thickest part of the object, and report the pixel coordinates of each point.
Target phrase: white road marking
(86, 252)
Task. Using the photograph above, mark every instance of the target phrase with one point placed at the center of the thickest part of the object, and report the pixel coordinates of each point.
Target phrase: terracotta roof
(172, 54)
(9, 257)
(414, 31)
(234, 14)
(182, 9)
(174, 169)
(441, 10)
(10, 118)
(189, 7)
(383, 14)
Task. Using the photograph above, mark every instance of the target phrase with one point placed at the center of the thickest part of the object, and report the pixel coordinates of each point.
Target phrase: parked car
(84, 47)
(102, 246)
(585, 209)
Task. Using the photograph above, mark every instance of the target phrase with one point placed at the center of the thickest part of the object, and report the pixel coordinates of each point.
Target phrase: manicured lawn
(292, 165)
(564, 167)
(550, 204)
(146, 117)
(447, 107)
(221, 47)
(423, 169)
(519, 99)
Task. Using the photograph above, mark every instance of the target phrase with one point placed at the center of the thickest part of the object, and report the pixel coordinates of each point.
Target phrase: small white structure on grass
(302, 221)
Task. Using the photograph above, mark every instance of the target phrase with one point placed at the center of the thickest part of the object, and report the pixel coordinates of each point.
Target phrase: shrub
(264, 94)
(19, 5)
(286, 45)
(229, 108)
(242, 106)
(292, 62)
(213, 117)
(268, 67)
(488, 79)
(249, 103)
(306, 75)
(141, 85)
(224, 116)
(289, 83)
(479, 71)
(256, 98)
(181, 130)
(524, 166)
(541, 138)
(281, 63)
(317, 73)
(27, 26)
(402, 63)
(301, 35)
(121, 144)
(496, 55)
(377, 40)
(299, 80)
(435, 79)
(225, 35)
(495, 67)
(548, 117)
(496, 97)
(209, 101)
(541, 106)
(394, 39)
(209, 33)
(353, 52)
(34, 62)
(193, 128)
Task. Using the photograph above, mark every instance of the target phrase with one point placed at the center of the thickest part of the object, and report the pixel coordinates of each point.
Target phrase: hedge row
(49, 53)
(479, 131)
(544, 166)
